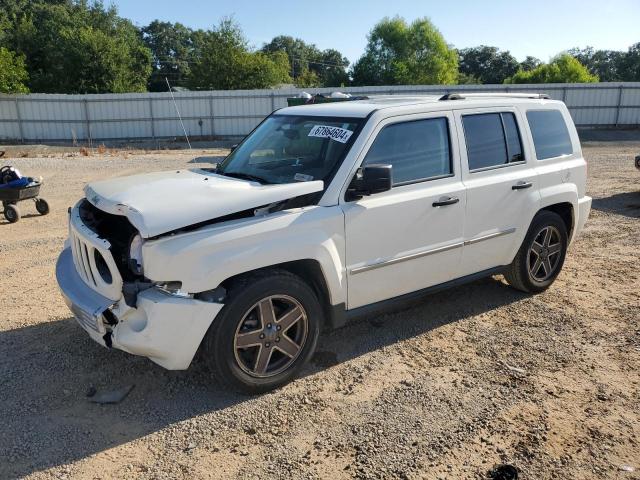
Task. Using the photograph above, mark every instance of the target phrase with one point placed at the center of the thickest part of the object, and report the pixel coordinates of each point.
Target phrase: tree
(173, 46)
(226, 63)
(464, 79)
(562, 69)
(72, 46)
(398, 53)
(487, 64)
(13, 73)
(530, 63)
(606, 64)
(310, 66)
(629, 68)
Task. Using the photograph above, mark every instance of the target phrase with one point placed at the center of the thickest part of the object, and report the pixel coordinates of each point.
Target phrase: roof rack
(462, 96)
(321, 98)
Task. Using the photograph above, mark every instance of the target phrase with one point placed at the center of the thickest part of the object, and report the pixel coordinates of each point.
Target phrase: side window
(550, 135)
(492, 139)
(417, 150)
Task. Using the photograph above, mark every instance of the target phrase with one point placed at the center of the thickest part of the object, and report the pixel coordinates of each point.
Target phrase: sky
(541, 28)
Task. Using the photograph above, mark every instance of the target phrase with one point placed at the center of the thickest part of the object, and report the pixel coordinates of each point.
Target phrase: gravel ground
(448, 388)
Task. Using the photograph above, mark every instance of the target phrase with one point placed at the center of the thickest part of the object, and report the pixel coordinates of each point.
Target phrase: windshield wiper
(244, 176)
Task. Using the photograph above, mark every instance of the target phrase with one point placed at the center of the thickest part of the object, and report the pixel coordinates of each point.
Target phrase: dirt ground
(470, 378)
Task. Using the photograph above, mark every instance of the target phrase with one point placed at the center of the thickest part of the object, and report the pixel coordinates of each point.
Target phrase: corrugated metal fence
(41, 117)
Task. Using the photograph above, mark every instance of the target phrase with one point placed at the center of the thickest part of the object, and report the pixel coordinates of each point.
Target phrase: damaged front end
(163, 327)
(101, 272)
(116, 305)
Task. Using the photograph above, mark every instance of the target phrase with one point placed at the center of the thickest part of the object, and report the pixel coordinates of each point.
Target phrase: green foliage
(77, 47)
(308, 78)
(464, 79)
(629, 69)
(310, 66)
(13, 73)
(611, 65)
(226, 63)
(562, 69)
(530, 63)
(487, 64)
(606, 64)
(82, 46)
(398, 53)
(173, 47)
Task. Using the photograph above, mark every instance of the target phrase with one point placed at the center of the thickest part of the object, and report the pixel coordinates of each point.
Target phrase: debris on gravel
(110, 396)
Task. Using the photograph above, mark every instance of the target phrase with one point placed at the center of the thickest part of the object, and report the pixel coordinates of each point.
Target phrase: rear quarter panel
(562, 179)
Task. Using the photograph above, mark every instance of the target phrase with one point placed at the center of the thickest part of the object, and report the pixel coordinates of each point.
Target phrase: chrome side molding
(490, 236)
(424, 253)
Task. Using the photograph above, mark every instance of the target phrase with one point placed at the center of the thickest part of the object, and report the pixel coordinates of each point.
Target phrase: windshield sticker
(302, 177)
(334, 133)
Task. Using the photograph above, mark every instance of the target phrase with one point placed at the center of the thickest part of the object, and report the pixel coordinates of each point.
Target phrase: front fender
(204, 258)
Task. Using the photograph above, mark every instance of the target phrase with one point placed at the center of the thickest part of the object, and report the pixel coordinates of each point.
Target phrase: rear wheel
(42, 206)
(541, 256)
(265, 333)
(11, 213)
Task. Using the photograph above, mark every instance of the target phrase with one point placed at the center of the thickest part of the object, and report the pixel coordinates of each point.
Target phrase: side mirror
(234, 146)
(371, 179)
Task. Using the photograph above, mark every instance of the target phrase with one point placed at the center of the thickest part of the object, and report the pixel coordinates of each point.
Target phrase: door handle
(443, 201)
(521, 185)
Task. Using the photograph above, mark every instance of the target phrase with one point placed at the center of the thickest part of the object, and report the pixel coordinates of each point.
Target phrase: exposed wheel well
(565, 210)
(308, 270)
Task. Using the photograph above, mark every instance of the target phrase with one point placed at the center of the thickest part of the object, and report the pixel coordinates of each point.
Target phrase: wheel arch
(566, 211)
(309, 270)
(562, 199)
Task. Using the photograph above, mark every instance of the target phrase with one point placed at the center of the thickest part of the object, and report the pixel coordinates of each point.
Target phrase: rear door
(411, 236)
(502, 185)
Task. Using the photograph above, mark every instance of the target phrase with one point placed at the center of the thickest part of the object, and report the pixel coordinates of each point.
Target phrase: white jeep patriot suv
(322, 213)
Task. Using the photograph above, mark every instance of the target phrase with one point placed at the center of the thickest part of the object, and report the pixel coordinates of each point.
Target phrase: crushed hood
(157, 203)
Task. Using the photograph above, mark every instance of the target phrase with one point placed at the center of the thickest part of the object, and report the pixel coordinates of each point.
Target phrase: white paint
(156, 203)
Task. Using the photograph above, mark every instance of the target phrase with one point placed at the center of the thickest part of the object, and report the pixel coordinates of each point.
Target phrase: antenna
(178, 112)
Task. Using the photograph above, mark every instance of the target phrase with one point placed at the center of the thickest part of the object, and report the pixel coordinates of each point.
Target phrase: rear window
(550, 134)
(492, 139)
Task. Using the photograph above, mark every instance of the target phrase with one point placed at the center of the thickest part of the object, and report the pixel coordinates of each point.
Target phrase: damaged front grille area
(116, 229)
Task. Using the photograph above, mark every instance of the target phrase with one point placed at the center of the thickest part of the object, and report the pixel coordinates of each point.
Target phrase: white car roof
(363, 108)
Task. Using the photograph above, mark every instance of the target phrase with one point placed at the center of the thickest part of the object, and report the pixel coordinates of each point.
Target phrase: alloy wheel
(270, 336)
(544, 254)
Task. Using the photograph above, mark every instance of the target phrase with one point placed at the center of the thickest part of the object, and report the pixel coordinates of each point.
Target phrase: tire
(537, 264)
(42, 206)
(11, 213)
(254, 301)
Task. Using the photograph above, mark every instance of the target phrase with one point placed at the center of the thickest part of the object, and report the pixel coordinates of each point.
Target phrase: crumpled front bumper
(165, 328)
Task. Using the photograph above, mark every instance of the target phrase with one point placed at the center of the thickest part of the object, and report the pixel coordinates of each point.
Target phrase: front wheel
(541, 256)
(11, 213)
(265, 333)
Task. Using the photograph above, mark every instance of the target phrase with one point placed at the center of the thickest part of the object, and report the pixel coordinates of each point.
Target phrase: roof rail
(462, 96)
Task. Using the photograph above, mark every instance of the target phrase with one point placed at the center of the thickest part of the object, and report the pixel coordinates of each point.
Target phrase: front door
(411, 236)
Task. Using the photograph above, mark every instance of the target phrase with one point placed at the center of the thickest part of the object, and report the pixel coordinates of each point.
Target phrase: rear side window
(492, 139)
(550, 134)
(417, 150)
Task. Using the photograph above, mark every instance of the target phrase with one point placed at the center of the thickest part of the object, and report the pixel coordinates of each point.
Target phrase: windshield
(287, 148)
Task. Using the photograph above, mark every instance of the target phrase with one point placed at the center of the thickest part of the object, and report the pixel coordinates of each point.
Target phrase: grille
(93, 259)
